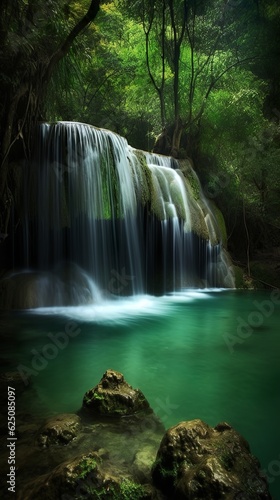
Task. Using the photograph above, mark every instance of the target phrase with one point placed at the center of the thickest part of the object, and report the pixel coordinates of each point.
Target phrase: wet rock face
(65, 481)
(59, 430)
(113, 396)
(197, 461)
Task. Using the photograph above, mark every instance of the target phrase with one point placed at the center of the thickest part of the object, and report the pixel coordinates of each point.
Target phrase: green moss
(130, 490)
(110, 188)
(193, 184)
(97, 493)
(86, 466)
(126, 490)
(144, 177)
(220, 221)
(166, 472)
(96, 395)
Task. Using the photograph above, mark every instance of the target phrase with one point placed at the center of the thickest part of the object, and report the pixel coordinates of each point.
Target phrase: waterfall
(85, 204)
(132, 222)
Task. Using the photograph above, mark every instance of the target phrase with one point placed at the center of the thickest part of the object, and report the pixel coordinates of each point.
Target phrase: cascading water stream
(101, 215)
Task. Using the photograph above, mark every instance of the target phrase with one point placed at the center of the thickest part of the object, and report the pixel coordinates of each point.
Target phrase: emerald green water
(175, 349)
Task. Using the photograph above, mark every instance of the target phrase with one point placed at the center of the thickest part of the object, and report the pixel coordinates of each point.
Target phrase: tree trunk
(65, 46)
(176, 138)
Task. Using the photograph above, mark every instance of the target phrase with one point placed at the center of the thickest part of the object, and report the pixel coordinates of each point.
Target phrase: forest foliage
(192, 78)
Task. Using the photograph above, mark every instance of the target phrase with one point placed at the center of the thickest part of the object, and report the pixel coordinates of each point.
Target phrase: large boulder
(196, 461)
(113, 396)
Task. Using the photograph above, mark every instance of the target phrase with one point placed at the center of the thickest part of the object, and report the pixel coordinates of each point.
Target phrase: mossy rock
(129, 490)
(143, 179)
(220, 222)
(208, 207)
(85, 477)
(197, 461)
(113, 396)
(193, 185)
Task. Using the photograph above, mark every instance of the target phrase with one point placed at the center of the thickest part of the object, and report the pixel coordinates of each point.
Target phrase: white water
(128, 309)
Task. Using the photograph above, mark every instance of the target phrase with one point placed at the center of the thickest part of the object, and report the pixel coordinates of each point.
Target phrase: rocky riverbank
(115, 447)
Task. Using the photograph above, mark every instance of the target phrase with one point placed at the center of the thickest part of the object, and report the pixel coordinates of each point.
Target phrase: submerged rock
(197, 461)
(59, 430)
(142, 464)
(67, 285)
(113, 396)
